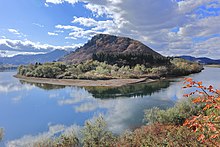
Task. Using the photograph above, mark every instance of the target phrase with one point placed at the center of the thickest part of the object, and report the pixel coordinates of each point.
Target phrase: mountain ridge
(202, 60)
(28, 59)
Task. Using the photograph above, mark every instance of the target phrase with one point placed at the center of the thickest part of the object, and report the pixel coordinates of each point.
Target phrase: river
(30, 111)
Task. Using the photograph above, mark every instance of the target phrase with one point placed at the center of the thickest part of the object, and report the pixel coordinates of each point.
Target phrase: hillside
(27, 59)
(111, 57)
(202, 60)
(114, 50)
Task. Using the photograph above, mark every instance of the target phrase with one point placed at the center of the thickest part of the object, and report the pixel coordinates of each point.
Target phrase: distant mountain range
(202, 60)
(27, 59)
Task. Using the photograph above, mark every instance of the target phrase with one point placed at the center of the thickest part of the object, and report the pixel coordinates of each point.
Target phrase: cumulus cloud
(27, 46)
(151, 22)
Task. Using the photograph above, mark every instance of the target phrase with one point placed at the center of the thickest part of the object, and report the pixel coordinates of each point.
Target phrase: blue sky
(171, 27)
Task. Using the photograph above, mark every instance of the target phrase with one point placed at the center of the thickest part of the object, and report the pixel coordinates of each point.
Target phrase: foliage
(175, 115)
(130, 59)
(1, 134)
(69, 140)
(96, 134)
(180, 67)
(159, 135)
(207, 122)
(96, 70)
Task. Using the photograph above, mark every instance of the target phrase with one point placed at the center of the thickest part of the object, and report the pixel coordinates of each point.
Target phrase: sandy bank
(84, 83)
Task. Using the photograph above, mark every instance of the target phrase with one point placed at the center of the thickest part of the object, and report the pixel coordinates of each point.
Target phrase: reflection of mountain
(141, 89)
(44, 86)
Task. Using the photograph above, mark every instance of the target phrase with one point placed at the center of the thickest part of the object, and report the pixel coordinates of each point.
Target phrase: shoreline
(85, 83)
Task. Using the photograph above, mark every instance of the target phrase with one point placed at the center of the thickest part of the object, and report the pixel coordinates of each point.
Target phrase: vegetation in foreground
(191, 122)
(94, 70)
(1, 134)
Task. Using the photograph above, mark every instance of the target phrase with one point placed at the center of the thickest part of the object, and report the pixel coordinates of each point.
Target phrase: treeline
(131, 59)
(101, 70)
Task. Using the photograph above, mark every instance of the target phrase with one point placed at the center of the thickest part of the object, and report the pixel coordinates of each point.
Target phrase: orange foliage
(207, 122)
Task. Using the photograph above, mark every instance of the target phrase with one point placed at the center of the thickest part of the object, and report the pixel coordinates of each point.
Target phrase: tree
(207, 122)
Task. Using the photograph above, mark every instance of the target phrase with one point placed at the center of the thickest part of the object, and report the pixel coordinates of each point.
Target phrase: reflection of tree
(43, 86)
(141, 89)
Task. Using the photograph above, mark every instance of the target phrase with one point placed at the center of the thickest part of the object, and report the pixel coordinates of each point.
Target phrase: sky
(170, 27)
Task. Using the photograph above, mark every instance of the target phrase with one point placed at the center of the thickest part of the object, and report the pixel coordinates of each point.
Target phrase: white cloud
(150, 22)
(14, 31)
(27, 46)
(61, 1)
(88, 22)
(201, 28)
(52, 34)
(68, 27)
(186, 6)
(30, 141)
(17, 33)
(39, 25)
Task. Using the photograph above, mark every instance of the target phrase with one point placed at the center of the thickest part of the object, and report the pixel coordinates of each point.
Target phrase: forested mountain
(115, 50)
(203, 60)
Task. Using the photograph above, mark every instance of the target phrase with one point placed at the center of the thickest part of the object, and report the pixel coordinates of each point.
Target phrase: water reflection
(132, 90)
(27, 110)
(43, 85)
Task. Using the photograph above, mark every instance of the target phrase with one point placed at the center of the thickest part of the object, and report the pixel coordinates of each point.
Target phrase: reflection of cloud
(17, 98)
(91, 106)
(53, 95)
(129, 113)
(29, 140)
(77, 95)
(11, 87)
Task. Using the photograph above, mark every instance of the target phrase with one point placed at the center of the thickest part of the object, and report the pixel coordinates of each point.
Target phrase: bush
(96, 134)
(69, 140)
(207, 122)
(1, 134)
(159, 135)
(175, 115)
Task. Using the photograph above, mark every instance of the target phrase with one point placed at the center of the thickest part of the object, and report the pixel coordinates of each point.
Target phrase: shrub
(1, 134)
(207, 122)
(159, 135)
(175, 115)
(69, 140)
(96, 134)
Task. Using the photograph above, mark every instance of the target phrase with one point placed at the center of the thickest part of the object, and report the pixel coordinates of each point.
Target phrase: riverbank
(213, 65)
(85, 83)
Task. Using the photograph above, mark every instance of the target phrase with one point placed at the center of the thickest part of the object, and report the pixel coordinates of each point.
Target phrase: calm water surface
(29, 111)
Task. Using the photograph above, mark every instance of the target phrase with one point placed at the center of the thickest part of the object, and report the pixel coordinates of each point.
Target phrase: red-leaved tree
(207, 122)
